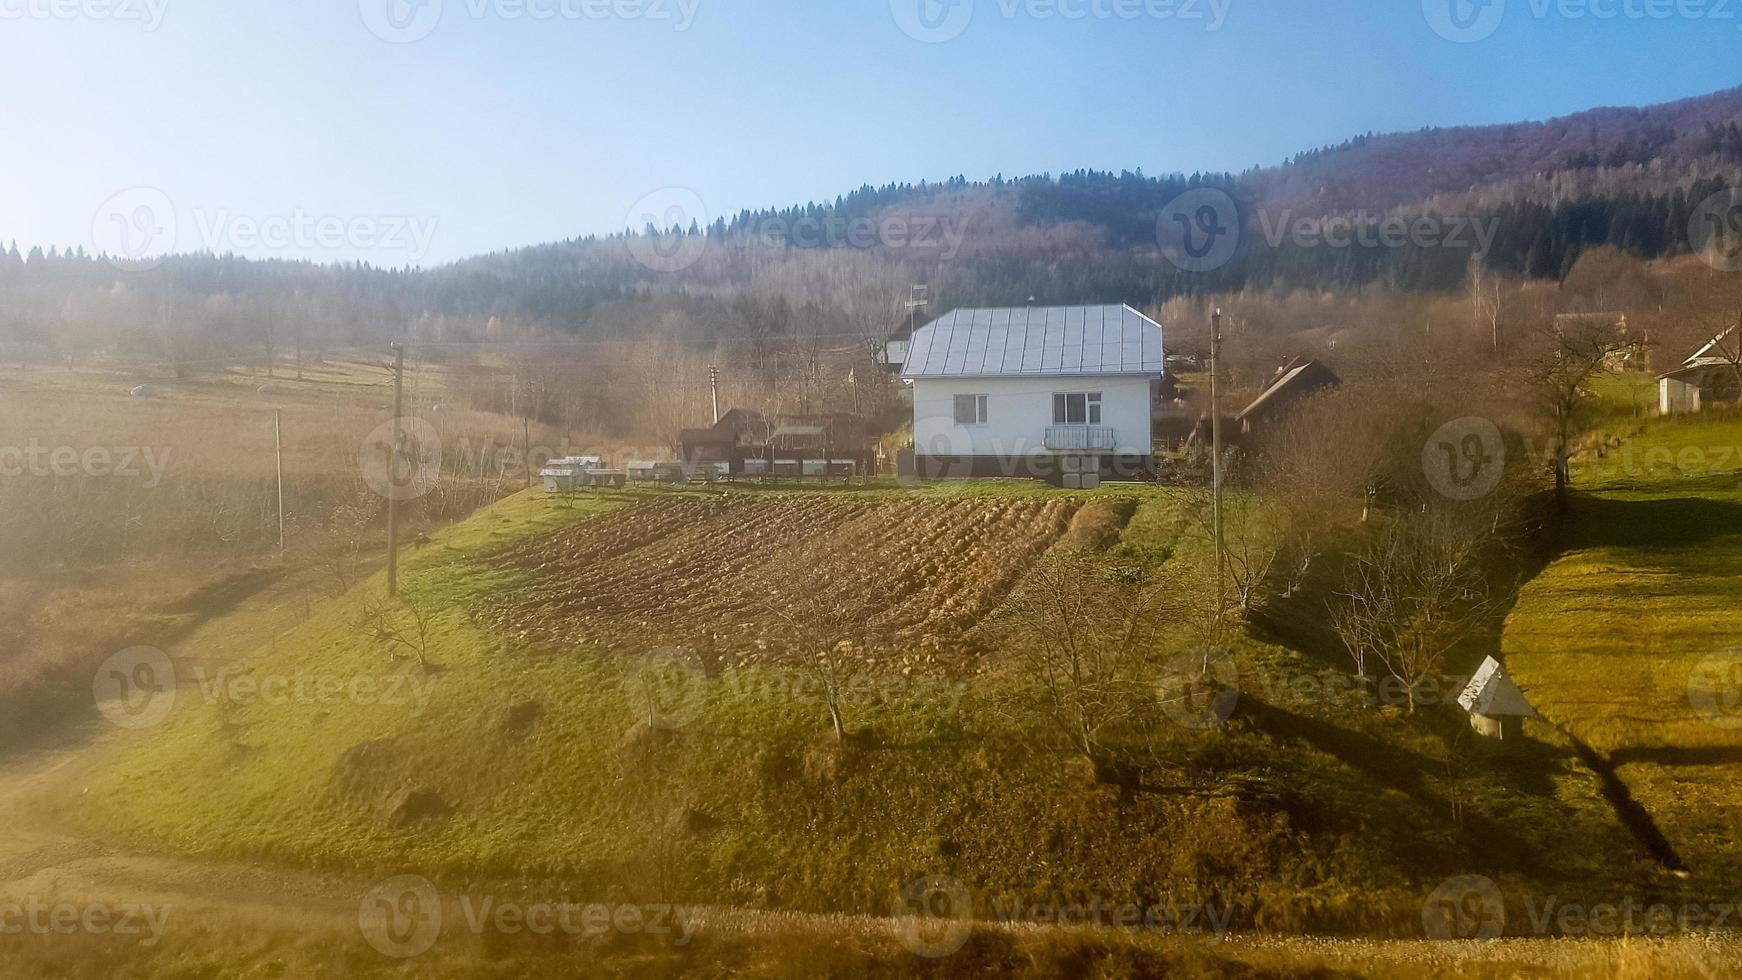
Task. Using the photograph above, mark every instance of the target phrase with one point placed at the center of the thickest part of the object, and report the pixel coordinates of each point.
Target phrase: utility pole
(392, 469)
(714, 387)
(278, 447)
(1216, 455)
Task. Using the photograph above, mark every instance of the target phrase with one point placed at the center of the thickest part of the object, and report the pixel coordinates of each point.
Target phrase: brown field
(185, 507)
(722, 573)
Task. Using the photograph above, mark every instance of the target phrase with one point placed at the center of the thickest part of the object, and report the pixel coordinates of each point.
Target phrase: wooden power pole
(392, 469)
(1216, 454)
(278, 447)
(714, 388)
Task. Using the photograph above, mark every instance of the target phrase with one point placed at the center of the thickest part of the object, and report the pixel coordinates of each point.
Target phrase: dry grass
(253, 943)
(158, 507)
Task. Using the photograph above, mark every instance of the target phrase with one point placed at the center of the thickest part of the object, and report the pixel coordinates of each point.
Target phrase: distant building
(1708, 377)
(1187, 362)
(1496, 705)
(1292, 382)
(748, 443)
(1034, 392)
(895, 349)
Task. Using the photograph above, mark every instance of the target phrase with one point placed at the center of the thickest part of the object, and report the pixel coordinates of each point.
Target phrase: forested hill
(1381, 172)
(1539, 194)
(1652, 151)
(1544, 192)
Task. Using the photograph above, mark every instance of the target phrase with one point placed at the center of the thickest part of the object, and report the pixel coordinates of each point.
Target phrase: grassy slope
(103, 563)
(1306, 812)
(1610, 639)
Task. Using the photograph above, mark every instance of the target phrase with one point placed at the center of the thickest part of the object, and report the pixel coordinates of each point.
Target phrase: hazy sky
(293, 128)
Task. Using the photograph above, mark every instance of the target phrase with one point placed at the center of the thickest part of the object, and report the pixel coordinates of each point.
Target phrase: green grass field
(1631, 639)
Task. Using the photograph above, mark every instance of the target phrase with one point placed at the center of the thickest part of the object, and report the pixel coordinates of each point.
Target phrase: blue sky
(290, 128)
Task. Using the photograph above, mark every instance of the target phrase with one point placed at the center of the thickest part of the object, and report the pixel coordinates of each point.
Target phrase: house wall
(1018, 413)
(1676, 397)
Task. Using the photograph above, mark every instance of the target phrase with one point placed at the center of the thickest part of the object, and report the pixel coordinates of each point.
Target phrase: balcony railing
(1080, 438)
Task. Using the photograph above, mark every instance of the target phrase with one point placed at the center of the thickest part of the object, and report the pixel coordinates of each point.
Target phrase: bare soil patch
(711, 573)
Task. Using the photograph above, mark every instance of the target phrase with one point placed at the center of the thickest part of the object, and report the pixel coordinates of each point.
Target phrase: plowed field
(919, 573)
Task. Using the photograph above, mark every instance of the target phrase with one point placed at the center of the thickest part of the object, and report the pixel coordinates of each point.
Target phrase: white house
(1708, 376)
(1034, 391)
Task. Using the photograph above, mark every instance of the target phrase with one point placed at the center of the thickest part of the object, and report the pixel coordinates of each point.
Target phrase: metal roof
(1697, 365)
(1036, 341)
(1492, 693)
(1706, 351)
(1282, 383)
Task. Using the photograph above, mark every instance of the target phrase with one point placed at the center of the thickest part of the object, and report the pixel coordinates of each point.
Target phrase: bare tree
(1560, 379)
(870, 293)
(1082, 636)
(830, 638)
(1255, 525)
(1415, 591)
(1330, 454)
(668, 383)
(381, 622)
(1485, 305)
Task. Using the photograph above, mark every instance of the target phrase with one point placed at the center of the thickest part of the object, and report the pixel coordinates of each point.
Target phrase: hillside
(1386, 171)
(528, 756)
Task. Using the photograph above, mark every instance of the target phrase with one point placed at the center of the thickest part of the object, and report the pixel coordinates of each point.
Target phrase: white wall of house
(1020, 410)
(1676, 397)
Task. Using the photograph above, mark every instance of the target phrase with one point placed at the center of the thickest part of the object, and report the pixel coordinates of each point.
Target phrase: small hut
(1496, 705)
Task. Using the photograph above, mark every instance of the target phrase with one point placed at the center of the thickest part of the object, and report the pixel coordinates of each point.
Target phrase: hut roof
(1492, 693)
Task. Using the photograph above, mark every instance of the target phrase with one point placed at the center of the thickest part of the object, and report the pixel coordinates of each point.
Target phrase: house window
(1077, 408)
(970, 409)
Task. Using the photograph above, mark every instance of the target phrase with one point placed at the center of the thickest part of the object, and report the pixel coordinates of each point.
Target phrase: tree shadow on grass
(1388, 765)
(1629, 810)
(1667, 523)
(1712, 755)
(223, 596)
